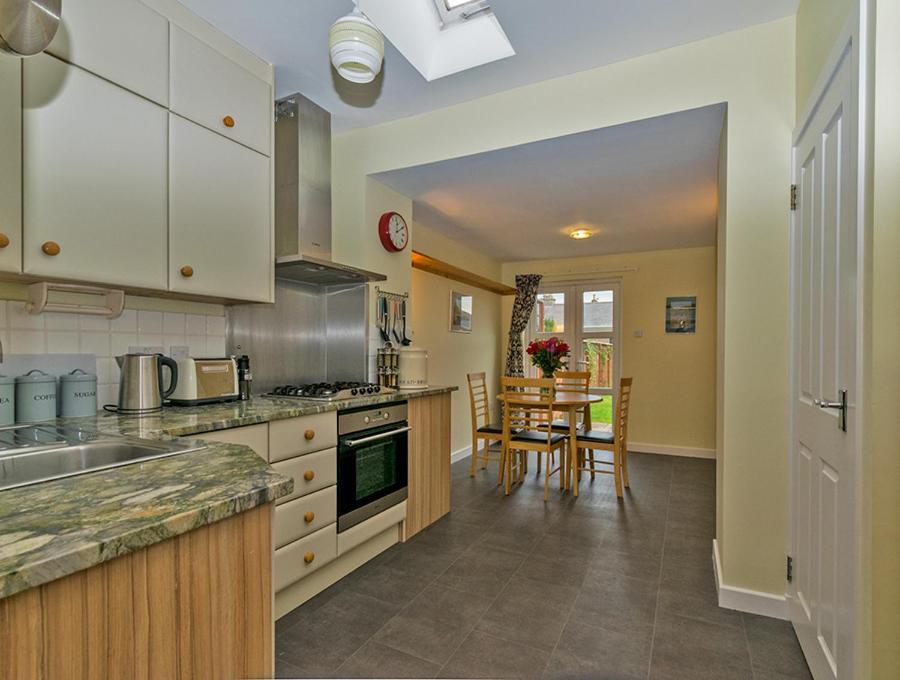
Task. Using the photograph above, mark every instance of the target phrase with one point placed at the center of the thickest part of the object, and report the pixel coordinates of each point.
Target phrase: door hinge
(793, 197)
(790, 568)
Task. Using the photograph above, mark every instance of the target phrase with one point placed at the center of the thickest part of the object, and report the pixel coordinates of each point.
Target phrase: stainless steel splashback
(310, 334)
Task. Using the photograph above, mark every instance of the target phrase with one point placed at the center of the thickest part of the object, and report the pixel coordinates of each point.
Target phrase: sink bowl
(21, 467)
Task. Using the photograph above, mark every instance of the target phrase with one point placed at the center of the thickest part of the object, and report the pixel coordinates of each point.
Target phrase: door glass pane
(550, 313)
(376, 469)
(597, 311)
(598, 355)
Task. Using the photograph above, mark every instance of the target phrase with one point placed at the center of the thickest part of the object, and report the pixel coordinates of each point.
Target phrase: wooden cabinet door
(210, 89)
(220, 229)
(94, 178)
(10, 164)
(121, 40)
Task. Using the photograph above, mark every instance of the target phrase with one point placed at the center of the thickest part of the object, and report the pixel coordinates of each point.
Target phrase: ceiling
(645, 185)
(551, 38)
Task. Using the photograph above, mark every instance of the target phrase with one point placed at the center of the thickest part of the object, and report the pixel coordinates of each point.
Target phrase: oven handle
(376, 437)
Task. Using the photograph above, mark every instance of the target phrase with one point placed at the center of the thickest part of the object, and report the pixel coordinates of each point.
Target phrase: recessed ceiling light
(580, 234)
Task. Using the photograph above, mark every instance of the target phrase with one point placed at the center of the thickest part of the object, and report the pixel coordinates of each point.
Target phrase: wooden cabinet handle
(187, 271)
(309, 475)
(309, 434)
(50, 248)
(309, 557)
(309, 517)
(4, 240)
(228, 121)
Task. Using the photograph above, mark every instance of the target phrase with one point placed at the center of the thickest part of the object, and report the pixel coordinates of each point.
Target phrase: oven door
(372, 472)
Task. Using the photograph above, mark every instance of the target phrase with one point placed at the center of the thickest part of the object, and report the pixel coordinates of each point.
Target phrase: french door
(586, 316)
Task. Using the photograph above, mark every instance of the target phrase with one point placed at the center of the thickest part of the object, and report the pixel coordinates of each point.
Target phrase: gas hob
(325, 391)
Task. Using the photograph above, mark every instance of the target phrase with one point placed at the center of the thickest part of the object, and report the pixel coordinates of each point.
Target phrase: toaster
(205, 381)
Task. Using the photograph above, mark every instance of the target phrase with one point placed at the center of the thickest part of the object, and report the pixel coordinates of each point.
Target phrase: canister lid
(78, 376)
(36, 376)
(7, 380)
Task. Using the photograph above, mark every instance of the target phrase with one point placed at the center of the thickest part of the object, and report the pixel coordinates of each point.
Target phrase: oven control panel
(364, 418)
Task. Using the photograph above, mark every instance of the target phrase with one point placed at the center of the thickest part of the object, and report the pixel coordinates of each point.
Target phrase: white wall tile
(173, 323)
(120, 342)
(56, 321)
(215, 325)
(215, 346)
(170, 341)
(150, 322)
(62, 342)
(95, 343)
(107, 371)
(19, 318)
(195, 324)
(87, 322)
(107, 394)
(27, 342)
(150, 339)
(125, 323)
(197, 344)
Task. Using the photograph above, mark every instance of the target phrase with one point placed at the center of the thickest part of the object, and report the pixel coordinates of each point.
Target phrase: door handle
(376, 437)
(840, 405)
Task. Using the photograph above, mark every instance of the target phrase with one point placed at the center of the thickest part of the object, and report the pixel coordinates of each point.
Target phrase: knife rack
(388, 355)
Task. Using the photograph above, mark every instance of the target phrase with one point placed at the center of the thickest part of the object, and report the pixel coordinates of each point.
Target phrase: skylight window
(456, 11)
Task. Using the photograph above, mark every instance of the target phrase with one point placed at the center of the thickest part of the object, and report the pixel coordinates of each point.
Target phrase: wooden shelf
(448, 271)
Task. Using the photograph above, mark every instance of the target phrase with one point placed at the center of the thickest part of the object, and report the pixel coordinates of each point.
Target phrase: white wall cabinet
(121, 40)
(94, 178)
(220, 240)
(210, 89)
(10, 164)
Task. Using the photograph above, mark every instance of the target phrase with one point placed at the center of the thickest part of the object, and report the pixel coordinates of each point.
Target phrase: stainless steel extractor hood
(303, 197)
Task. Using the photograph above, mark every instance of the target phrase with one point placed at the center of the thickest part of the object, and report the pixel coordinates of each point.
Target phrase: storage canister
(78, 394)
(7, 400)
(35, 397)
(413, 368)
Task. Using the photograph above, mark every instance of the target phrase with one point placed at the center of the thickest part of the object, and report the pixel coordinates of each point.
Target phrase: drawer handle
(309, 475)
(309, 516)
(309, 557)
(309, 435)
(50, 248)
(187, 271)
(4, 240)
(228, 121)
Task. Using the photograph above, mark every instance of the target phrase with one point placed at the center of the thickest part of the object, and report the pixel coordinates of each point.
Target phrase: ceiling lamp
(580, 234)
(356, 47)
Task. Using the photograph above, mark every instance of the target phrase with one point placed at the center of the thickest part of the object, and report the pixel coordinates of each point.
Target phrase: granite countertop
(57, 528)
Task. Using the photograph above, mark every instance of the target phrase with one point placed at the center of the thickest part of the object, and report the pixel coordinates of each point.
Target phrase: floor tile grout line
(662, 558)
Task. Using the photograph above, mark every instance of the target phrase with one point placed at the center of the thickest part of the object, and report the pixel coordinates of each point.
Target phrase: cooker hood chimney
(303, 197)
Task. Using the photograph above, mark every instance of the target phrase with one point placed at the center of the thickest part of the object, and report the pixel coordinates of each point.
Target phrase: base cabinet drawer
(310, 473)
(297, 559)
(296, 436)
(302, 516)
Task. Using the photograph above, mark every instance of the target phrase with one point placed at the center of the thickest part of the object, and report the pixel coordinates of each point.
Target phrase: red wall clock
(393, 232)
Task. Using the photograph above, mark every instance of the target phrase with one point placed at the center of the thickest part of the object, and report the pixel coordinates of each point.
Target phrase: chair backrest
(528, 405)
(620, 419)
(573, 381)
(478, 399)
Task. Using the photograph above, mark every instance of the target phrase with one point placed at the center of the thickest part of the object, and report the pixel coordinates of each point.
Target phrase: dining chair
(527, 426)
(570, 381)
(615, 441)
(482, 427)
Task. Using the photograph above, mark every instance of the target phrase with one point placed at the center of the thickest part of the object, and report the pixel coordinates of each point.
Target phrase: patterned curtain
(526, 295)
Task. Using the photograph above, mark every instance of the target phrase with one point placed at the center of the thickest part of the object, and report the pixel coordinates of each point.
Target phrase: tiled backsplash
(53, 333)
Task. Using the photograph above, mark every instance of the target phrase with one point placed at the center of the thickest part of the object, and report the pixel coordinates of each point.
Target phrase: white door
(824, 311)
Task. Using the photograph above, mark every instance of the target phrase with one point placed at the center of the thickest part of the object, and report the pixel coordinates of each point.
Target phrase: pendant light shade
(356, 47)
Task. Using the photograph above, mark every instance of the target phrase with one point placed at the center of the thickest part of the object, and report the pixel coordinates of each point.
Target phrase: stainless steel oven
(373, 450)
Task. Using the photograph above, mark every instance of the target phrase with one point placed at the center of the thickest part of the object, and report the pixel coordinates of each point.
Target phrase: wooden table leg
(573, 447)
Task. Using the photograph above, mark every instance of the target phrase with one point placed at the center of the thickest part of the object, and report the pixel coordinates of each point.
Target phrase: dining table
(569, 403)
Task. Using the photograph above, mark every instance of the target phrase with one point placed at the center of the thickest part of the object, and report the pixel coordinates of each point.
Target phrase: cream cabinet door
(121, 40)
(210, 89)
(220, 230)
(94, 178)
(10, 164)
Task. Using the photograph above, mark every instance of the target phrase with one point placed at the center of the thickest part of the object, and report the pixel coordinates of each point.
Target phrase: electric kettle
(140, 384)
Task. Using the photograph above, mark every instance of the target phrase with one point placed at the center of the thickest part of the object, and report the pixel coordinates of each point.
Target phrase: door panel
(11, 163)
(824, 312)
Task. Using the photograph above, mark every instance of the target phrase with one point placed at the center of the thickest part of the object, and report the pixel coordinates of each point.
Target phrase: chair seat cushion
(597, 436)
(563, 426)
(492, 428)
(538, 437)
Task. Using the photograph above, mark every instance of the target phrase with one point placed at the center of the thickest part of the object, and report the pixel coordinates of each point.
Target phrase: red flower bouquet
(548, 355)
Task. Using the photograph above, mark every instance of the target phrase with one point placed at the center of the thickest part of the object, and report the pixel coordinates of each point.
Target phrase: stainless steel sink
(32, 457)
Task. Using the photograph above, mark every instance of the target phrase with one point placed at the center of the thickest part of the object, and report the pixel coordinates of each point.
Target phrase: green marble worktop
(53, 529)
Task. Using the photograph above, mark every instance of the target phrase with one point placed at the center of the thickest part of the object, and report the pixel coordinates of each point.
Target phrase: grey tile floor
(511, 587)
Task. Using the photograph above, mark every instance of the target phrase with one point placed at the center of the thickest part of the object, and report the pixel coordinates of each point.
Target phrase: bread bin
(413, 368)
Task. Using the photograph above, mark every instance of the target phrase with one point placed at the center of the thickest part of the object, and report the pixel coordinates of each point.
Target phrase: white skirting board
(666, 450)
(458, 455)
(744, 600)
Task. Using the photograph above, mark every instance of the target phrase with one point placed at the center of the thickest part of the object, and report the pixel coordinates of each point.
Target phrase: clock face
(393, 231)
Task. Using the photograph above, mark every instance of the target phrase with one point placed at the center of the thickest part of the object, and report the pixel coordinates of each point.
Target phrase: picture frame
(460, 312)
(681, 314)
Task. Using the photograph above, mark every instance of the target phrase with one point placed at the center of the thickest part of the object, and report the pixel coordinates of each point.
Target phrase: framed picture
(681, 314)
(460, 312)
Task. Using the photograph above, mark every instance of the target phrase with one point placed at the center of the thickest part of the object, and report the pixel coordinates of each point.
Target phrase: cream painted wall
(753, 71)
(818, 24)
(452, 355)
(674, 375)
